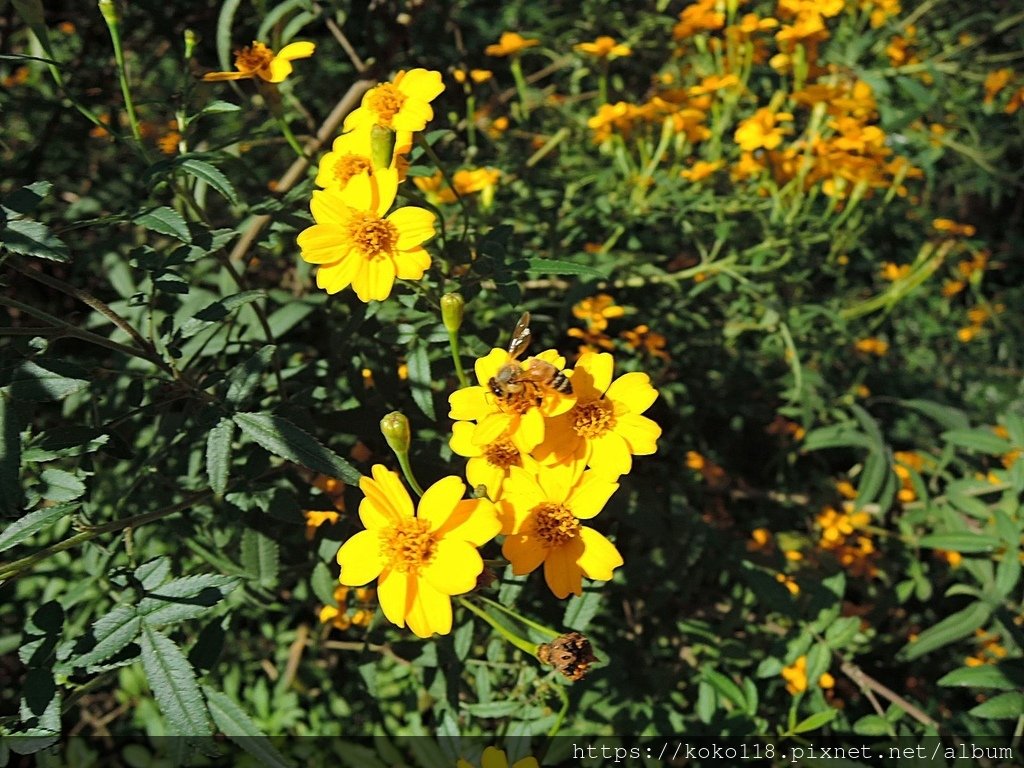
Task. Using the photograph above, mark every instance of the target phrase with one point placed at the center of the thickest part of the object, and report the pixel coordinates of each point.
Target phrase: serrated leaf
(1005, 706)
(166, 221)
(31, 238)
(245, 378)
(581, 609)
(954, 627)
(33, 382)
(282, 438)
(217, 311)
(558, 267)
(211, 175)
(153, 573)
(24, 201)
(323, 583)
(945, 415)
(186, 598)
(419, 379)
(60, 485)
(961, 542)
(815, 721)
(981, 440)
(218, 454)
(174, 686)
(33, 523)
(113, 632)
(260, 557)
(233, 722)
(1000, 677)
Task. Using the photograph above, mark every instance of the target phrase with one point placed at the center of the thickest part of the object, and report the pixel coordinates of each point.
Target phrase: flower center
(253, 58)
(592, 419)
(373, 236)
(386, 101)
(351, 165)
(556, 524)
(502, 454)
(409, 546)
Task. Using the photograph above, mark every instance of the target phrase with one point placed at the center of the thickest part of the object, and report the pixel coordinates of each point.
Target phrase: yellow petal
(328, 206)
(298, 50)
(561, 571)
(410, 265)
(387, 497)
(374, 280)
(491, 427)
(493, 757)
(592, 375)
(421, 83)
(360, 559)
(640, 433)
(610, 456)
(590, 495)
(461, 441)
(473, 520)
(393, 594)
(455, 566)
(279, 69)
(333, 277)
(469, 404)
(430, 610)
(413, 116)
(385, 181)
(415, 226)
(634, 390)
(216, 77)
(479, 471)
(486, 367)
(524, 552)
(530, 431)
(600, 557)
(439, 500)
(559, 480)
(560, 440)
(323, 244)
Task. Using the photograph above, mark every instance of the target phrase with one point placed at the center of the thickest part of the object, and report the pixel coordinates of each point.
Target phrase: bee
(513, 383)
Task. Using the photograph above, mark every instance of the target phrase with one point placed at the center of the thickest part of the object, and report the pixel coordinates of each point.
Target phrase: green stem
(429, 150)
(453, 342)
(290, 137)
(563, 694)
(521, 643)
(546, 631)
(517, 75)
(403, 462)
(114, 26)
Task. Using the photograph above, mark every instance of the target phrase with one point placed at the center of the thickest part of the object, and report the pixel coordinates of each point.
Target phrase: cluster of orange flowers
(346, 613)
(843, 535)
(795, 676)
(994, 84)
(548, 446)
(354, 239)
(596, 311)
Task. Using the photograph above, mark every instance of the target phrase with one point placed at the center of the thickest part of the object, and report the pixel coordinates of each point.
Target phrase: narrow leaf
(32, 381)
(581, 609)
(944, 415)
(260, 557)
(981, 440)
(33, 523)
(557, 267)
(245, 378)
(954, 627)
(282, 438)
(218, 454)
(961, 542)
(419, 378)
(233, 722)
(1002, 677)
(815, 721)
(1005, 706)
(174, 685)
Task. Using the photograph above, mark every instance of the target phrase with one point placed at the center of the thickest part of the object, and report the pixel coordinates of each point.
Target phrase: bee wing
(520, 337)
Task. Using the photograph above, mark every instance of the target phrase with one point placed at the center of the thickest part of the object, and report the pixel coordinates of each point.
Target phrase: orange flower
(604, 47)
(257, 60)
(510, 44)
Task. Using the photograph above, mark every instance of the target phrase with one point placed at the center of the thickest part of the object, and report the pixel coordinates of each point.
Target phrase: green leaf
(211, 175)
(944, 415)
(1005, 706)
(1002, 677)
(33, 382)
(954, 627)
(876, 469)
(873, 725)
(31, 12)
(218, 454)
(1007, 574)
(581, 609)
(174, 686)
(61, 485)
(112, 632)
(725, 687)
(981, 440)
(233, 722)
(225, 21)
(961, 542)
(844, 435)
(30, 238)
(166, 221)
(186, 598)
(217, 311)
(815, 721)
(217, 107)
(33, 523)
(282, 438)
(245, 378)
(557, 267)
(153, 573)
(260, 557)
(419, 379)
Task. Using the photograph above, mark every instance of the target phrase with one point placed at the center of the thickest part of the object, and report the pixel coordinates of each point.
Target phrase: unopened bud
(570, 654)
(395, 428)
(190, 43)
(382, 146)
(109, 11)
(452, 305)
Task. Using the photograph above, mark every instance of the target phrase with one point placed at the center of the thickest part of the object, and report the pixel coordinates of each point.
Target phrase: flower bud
(451, 311)
(108, 9)
(395, 428)
(190, 43)
(382, 146)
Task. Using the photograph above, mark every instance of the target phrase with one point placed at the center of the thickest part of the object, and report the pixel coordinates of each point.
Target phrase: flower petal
(474, 521)
(415, 226)
(374, 280)
(530, 431)
(461, 441)
(469, 404)
(486, 367)
(633, 390)
(590, 495)
(524, 552)
(298, 50)
(278, 70)
(600, 557)
(455, 567)
(610, 456)
(425, 84)
(491, 427)
(430, 611)
(640, 433)
(561, 571)
(387, 497)
(360, 559)
(333, 277)
(385, 181)
(592, 375)
(439, 500)
(393, 595)
(323, 244)
(410, 265)
(328, 206)
(479, 471)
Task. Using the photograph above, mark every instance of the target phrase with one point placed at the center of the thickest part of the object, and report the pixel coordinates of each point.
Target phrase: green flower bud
(109, 11)
(382, 146)
(395, 428)
(451, 311)
(190, 42)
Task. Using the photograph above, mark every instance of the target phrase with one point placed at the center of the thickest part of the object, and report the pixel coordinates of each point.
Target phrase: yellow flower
(315, 518)
(351, 155)
(995, 81)
(893, 272)
(519, 414)
(541, 513)
(476, 75)
(495, 758)
(257, 60)
(419, 558)
(604, 428)
(597, 311)
(401, 105)
(488, 464)
(355, 244)
(791, 586)
(604, 47)
(872, 346)
(762, 129)
(701, 170)
(642, 337)
(795, 676)
(509, 44)
(698, 17)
